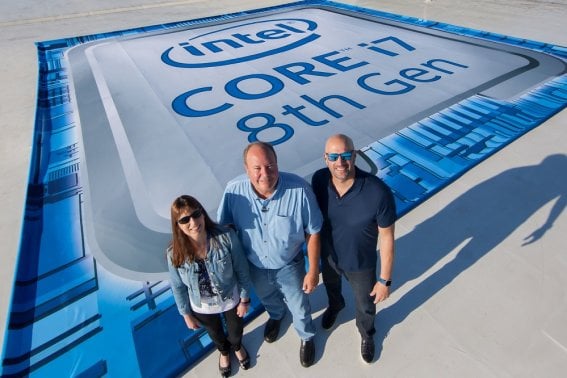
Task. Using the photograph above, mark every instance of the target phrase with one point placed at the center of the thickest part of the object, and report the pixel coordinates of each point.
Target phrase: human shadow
(484, 215)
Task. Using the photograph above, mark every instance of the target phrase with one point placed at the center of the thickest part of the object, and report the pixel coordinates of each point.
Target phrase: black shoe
(272, 330)
(224, 371)
(329, 317)
(307, 353)
(367, 350)
(245, 362)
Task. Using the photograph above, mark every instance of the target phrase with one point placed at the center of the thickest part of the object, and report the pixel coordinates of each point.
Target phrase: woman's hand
(191, 322)
(243, 307)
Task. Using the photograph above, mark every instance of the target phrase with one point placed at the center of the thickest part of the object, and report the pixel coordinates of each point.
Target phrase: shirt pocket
(290, 234)
(222, 269)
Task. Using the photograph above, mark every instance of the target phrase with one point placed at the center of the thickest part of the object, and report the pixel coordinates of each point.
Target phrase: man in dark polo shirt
(356, 207)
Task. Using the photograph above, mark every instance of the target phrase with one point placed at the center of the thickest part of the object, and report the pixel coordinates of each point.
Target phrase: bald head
(266, 147)
(339, 139)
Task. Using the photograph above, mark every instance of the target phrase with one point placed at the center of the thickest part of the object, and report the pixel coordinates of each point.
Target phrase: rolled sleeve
(312, 217)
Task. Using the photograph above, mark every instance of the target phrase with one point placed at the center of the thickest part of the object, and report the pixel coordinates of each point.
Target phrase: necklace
(202, 250)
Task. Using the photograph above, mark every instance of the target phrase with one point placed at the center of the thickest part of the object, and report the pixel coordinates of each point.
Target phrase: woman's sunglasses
(195, 214)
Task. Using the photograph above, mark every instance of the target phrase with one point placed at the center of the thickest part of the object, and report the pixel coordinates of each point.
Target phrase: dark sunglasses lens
(346, 156)
(195, 214)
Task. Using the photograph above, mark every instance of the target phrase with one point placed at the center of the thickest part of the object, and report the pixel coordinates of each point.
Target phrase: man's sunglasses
(195, 214)
(346, 156)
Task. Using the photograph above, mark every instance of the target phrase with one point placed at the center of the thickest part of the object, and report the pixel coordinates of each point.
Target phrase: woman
(209, 277)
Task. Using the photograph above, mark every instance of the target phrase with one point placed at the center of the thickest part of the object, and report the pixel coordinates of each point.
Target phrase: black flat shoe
(272, 330)
(329, 317)
(244, 363)
(224, 371)
(367, 350)
(307, 353)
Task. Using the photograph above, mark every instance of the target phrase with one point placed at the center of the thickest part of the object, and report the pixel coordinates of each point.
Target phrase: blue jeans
(362, 283)
(276, 287)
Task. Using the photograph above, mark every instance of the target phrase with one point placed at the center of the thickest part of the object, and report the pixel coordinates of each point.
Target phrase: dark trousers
(213, 324)
(362, 283)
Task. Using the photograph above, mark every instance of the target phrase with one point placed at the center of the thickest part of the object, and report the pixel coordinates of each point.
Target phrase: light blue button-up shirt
(272, 230)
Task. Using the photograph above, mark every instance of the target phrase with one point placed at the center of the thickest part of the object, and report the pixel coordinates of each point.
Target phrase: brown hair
(183, 248)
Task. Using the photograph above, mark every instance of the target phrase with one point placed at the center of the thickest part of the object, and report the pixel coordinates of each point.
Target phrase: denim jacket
(226, 264)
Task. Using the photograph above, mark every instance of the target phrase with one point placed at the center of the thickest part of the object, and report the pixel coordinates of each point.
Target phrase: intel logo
(241, 43)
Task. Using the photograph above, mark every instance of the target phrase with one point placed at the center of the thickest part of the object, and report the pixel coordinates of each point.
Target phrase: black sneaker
(367, 350)
(272, 330)
(329, 317)
(307, 353)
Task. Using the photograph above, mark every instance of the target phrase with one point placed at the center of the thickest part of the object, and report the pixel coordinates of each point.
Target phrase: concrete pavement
(489, 305)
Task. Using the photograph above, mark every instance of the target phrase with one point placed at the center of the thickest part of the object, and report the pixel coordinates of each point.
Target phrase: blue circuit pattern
(70, 317)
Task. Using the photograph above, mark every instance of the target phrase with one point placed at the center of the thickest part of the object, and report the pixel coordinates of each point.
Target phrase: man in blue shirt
(356, 207)
(275, 213)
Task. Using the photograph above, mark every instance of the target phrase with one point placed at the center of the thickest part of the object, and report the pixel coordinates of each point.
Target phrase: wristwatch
(384, 282)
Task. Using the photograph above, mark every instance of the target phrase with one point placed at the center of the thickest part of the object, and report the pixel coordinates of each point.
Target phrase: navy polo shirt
(350, 222)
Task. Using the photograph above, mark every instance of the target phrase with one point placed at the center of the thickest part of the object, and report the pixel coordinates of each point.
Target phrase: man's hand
(311, 279)
(310, 282)
(380, 292)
